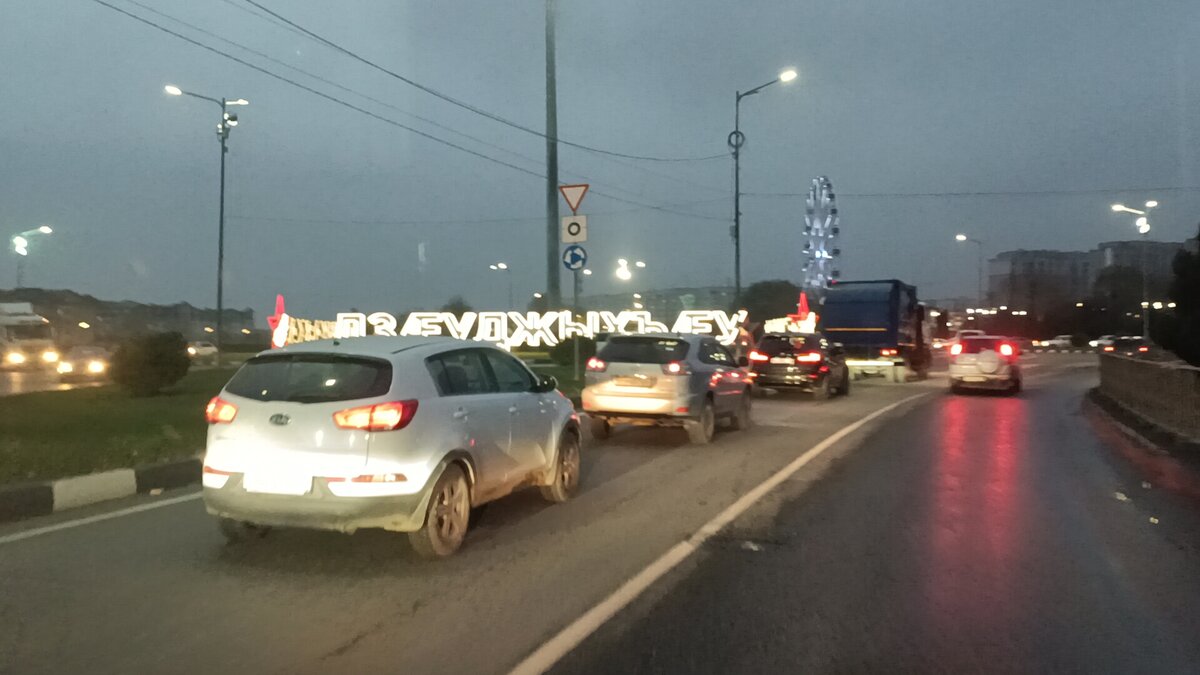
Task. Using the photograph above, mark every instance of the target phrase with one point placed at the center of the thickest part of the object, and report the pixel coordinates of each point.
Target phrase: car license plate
(277, 483)
(635, 381)
(785, 360)
(974, 378)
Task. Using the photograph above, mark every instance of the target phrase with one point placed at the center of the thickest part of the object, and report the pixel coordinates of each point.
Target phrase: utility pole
(553, 290)
(223, 132)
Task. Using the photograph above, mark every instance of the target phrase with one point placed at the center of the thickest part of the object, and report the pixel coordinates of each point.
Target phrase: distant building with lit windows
(1040, 281)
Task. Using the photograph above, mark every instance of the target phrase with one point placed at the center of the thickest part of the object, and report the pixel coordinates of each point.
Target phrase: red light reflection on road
(977, 526)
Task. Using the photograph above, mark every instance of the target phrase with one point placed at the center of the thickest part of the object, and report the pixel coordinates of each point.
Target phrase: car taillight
(676, 368)
(1006, 350)
(1143, 349)
(956, 349)
(756, 355)
(380, 417)
(219, 411)
(596, 365)
(1110, 348)
(809, 357)
(888, 352)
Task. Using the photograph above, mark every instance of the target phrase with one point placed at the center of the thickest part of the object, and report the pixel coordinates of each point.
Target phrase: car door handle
(460, 414)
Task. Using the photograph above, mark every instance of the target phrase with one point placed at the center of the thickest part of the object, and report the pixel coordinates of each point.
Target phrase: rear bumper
(613, 404)
(978, 380)
(800, 380)
(320, 509)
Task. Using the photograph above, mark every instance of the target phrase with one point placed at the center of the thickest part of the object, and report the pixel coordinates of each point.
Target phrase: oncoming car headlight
(95, 366)
(15, 358)
(191, 351)
(65, 367)
(50, 356)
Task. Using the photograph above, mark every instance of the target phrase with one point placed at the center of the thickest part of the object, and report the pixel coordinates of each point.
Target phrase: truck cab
(26, 338)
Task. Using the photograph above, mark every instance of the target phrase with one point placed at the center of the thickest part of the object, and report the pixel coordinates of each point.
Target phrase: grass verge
(47, 435)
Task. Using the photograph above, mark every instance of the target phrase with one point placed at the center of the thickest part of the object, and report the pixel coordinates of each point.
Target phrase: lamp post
(503, 267)
(979, 265)
(735, 141)
(623, 272)
(20, 244)
(228, 121)
(1142, 223)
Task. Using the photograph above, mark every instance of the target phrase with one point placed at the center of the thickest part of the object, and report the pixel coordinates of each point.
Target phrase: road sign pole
(578, 338)
(553, 290)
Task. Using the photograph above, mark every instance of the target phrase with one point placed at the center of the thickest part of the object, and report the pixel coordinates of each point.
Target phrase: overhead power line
(426, 120)
(467, 106)
(443, 221)
(374, 115)
(998, 193)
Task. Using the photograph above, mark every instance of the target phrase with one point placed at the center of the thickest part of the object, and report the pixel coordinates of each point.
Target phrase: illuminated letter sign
(507, 329)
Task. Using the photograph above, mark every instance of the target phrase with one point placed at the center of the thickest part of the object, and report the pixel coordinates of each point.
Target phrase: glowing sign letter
(493, 327)
(351, 324)
(382, 323)
(422, 323)
(460, 328)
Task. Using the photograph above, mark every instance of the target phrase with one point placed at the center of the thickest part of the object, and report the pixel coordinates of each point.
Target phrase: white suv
(400, 433)
(985, 362)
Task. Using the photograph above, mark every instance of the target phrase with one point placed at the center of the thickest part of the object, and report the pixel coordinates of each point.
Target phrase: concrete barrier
(1164, 394)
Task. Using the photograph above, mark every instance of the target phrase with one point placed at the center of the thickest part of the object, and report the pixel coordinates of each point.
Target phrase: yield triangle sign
(573, 194)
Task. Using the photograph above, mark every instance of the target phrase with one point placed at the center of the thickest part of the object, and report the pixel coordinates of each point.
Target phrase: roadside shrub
(148, 364)
(563, 353)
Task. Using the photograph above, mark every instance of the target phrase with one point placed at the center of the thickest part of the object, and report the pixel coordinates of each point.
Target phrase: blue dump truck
(883, 327)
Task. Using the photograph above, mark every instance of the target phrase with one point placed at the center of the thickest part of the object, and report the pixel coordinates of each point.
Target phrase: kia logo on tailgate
(280, 419)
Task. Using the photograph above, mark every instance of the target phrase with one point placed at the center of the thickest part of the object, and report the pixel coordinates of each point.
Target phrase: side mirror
(743, 362)
(545, 384)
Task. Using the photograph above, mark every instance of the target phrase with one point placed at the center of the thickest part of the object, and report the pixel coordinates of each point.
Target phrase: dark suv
(805, 362)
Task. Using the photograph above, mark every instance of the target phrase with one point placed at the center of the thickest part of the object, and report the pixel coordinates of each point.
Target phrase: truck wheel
(700, 430)
(601, 429)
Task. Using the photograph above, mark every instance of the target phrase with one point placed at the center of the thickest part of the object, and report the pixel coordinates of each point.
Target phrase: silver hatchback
(666, 380)
(405, 434)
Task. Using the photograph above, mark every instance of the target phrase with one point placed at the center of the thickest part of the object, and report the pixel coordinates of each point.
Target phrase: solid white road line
(545, 656)
(70, 524)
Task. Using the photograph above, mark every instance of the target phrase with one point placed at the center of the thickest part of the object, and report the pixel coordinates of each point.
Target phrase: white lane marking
(545, 656)
(70, 524)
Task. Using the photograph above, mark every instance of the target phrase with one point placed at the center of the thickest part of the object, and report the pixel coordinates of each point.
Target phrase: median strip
(27, 500)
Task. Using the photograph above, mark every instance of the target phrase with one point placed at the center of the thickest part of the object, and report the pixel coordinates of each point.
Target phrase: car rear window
(311, 378)
(627, 349)
(772, 345)
(975, 345)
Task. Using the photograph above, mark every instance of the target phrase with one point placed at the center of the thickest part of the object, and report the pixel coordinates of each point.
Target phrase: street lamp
(20, 244)
(228, 121)
(1142, 224)
(979, 251)
(503, 267)
(735, 141)
(623, 272)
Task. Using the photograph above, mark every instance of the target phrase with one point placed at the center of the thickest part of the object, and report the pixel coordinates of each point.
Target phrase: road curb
(27, 500)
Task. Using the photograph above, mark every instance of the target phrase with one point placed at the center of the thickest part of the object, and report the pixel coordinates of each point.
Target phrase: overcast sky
(328, 205)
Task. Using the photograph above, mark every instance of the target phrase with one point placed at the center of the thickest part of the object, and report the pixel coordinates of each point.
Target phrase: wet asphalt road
(975, 534)
(27, 381)
(978, 533)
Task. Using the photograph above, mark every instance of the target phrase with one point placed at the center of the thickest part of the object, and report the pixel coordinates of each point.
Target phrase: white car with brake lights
(401, 433)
